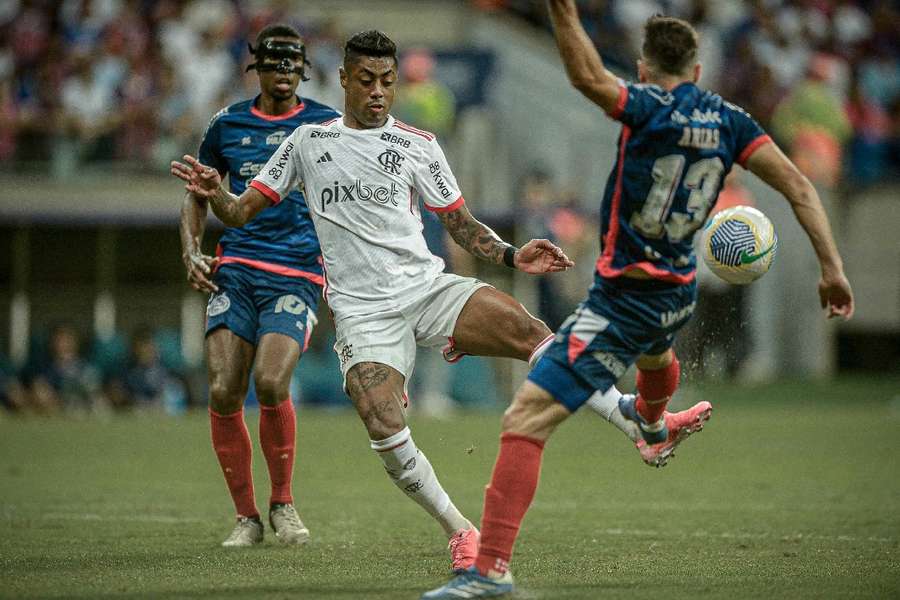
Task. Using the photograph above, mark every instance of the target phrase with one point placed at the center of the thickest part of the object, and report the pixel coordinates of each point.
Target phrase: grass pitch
(792, 491)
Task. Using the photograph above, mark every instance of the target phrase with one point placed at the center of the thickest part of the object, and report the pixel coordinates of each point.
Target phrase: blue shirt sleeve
(748, 134)
(210, 147)
(638, 102)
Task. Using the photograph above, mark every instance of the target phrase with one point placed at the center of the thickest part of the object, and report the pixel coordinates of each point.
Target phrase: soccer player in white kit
(363, 176)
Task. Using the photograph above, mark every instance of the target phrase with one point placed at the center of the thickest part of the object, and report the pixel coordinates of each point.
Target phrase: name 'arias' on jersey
(240, 139)
(674, 152)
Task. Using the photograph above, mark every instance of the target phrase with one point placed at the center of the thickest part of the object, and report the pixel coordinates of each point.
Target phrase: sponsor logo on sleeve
(435, 170)
(276, 170)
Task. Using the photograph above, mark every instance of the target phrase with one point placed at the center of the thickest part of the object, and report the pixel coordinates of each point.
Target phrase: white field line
(648, 533)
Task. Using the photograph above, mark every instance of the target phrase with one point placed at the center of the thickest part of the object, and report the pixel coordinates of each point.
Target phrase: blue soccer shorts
(251, 303)
(620, 320)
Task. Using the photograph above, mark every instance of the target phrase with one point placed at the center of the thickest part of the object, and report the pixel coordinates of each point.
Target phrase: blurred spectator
(88, 115)
(871, 128)
(67, 381)
(423, 101)
(149, 384)
(812, 125)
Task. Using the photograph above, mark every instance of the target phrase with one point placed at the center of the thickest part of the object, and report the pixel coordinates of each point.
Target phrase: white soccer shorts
(390, 337)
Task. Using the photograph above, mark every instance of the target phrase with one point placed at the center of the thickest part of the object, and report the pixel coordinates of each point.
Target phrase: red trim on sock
(655, 388)
(507, 498)
(277, 436)
(231, 441)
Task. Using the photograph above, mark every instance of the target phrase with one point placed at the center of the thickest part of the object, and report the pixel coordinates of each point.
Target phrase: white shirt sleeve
(283, 172)
(435, 181)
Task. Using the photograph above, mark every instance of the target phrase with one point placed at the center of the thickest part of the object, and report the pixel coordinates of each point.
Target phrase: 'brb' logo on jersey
(276, 171)
(358, 191)
(390, 160)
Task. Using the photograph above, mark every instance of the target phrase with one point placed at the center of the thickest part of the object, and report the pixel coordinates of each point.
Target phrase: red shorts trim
(273, 268)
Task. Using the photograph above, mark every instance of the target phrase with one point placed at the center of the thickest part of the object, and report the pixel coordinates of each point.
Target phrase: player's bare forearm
(473, 236)
(227, 207)
(193, 223)
(771, 165)
(582, 61)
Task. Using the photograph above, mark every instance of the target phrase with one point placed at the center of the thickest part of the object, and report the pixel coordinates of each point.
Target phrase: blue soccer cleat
(653, 433)
(472, 584)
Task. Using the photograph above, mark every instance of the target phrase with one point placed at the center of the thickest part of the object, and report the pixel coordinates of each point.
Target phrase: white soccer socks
(606, 404)
(410, 471)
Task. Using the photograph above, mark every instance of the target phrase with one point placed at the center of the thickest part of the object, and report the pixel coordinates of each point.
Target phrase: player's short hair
(670, 44)
(276, 30)
(370, 43)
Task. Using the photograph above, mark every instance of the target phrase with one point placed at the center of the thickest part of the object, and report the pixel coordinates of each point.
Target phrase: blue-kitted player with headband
(677, 144)
(265, 283)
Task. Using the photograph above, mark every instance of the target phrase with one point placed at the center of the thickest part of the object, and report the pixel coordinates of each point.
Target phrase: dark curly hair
(670, 44)
(369, 43)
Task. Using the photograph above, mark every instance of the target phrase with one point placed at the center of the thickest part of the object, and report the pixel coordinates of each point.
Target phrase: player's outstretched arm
(479, 240)
(198, 265)
(583, 63)
(771, 165)
(206, 183)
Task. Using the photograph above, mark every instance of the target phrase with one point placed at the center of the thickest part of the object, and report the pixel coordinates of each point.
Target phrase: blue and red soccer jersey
(674, 152)
(270, 273)
(281, 238)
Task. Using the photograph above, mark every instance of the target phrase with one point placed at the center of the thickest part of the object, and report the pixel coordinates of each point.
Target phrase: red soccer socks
(231, 441)
(507, 498)
(277, 434)
(655, 388)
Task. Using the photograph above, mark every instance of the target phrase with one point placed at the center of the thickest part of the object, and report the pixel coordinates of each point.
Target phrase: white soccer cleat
(286, 524)
(247, 532)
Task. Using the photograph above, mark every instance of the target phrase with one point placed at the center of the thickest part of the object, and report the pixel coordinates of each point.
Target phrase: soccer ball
(739, 244)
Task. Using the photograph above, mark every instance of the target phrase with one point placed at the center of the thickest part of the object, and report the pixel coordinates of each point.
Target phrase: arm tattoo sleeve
(474, 236)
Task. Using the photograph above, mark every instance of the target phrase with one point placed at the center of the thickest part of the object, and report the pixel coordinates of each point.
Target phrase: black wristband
(509, 256)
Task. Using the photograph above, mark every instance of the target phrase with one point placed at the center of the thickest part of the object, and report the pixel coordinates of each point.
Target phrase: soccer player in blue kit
(265, 284)
(677, 144)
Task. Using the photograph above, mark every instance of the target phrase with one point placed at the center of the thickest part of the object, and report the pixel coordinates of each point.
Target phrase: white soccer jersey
(362, 187)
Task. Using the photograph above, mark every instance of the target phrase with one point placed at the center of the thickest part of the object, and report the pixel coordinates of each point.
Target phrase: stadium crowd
(823, 76)
(88, 80)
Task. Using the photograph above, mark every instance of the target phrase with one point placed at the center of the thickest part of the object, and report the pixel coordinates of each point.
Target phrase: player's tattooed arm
(579, 55)
(473, 236)
(206, 183)
(479, 240)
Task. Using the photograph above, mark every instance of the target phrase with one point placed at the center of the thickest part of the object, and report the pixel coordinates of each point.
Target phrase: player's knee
(520, 415)
(271, 388)
(654, 362)
(224, 398)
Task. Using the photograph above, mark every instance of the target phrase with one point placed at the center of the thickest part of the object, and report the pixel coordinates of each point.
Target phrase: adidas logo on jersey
(325, 158)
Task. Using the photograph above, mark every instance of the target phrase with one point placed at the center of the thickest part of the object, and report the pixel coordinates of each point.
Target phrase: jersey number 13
(657, 218)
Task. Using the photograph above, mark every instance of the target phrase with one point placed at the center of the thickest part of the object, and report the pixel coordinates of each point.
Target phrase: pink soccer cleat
(680, 425)
(464, 548)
